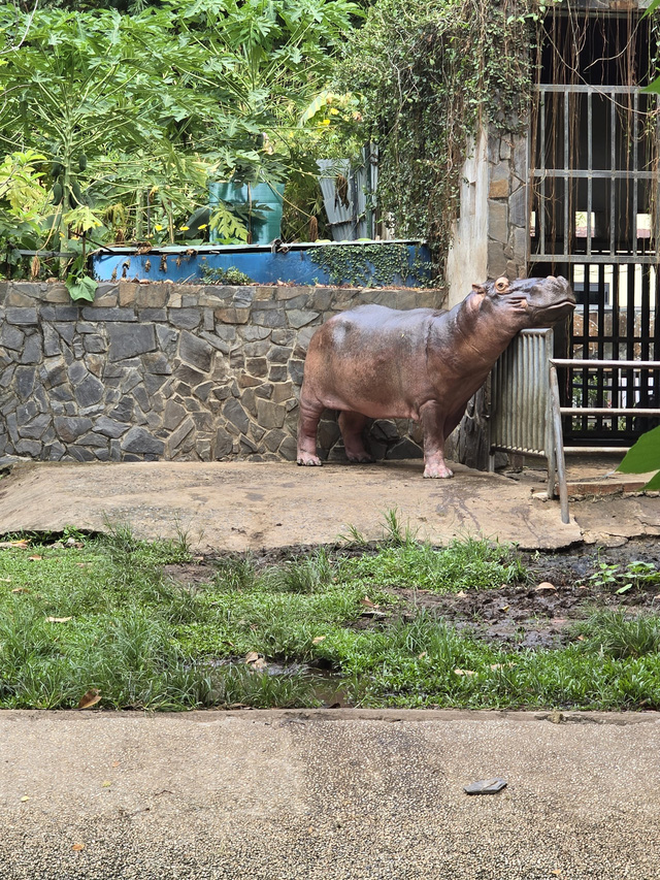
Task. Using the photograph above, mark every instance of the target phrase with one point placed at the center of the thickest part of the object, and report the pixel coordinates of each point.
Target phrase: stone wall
(508, 227)
(166, 371)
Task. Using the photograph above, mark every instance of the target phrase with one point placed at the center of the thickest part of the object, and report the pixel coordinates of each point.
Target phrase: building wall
(173, 372)
(491, 235)
(467, 260)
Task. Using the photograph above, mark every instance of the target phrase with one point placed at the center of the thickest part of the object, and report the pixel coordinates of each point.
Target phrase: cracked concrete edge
(269, 716)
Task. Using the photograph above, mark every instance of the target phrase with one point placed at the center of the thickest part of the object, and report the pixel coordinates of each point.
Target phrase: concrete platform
(237, 506)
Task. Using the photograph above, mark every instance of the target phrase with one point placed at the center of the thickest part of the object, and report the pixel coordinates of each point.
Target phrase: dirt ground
(561, 588)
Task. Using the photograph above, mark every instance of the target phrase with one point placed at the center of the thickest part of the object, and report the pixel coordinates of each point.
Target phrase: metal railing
(526, 410)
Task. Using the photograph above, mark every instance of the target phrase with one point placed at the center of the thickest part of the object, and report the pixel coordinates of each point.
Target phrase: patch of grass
(103, 613)
(618, 633)
(464, 565)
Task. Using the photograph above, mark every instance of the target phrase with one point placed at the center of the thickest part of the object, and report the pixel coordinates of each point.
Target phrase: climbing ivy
(371, 265)
(428, 72)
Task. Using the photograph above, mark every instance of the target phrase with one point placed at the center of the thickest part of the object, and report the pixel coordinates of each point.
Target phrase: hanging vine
(428, 73)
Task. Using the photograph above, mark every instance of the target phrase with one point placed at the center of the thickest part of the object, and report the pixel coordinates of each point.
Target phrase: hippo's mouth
(564, 305)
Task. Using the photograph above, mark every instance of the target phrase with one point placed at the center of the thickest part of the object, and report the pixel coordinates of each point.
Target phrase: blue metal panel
(263, 264)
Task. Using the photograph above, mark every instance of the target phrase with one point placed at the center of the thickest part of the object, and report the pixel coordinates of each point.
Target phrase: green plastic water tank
(263, 230)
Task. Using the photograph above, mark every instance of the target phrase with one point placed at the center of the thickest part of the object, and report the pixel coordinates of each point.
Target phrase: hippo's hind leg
(351, 425)
(309, 414)
(433, 423)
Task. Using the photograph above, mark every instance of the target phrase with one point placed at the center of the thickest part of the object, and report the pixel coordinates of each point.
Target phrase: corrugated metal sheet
(519, 395)
(346, 208)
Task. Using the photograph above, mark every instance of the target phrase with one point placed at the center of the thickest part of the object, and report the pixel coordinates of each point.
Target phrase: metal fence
(526, 411)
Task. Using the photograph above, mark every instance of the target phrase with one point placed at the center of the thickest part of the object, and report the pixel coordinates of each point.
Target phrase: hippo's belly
(372, 361)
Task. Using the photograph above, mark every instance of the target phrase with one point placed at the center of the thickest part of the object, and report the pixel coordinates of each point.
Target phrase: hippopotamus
(422, 364)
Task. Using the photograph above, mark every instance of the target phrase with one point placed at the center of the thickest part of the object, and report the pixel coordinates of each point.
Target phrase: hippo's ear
(478, 288)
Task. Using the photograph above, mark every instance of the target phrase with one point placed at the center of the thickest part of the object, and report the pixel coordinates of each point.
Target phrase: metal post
(559, 445)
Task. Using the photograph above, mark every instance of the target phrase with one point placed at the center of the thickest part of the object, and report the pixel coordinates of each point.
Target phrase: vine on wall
(371, 265)
(428, 72)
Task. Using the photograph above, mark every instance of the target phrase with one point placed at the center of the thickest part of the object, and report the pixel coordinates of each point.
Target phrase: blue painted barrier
(263, 264)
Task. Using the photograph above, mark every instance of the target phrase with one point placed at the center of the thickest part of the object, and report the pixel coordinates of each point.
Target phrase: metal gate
(594, 219)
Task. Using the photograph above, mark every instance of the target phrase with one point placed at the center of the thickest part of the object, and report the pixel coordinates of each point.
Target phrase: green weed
(619, 634)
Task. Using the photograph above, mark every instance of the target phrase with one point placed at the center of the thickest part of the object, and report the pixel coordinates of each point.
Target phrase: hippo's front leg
(433, 423)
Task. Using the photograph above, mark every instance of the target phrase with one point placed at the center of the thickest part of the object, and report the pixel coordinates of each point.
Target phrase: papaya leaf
(650, 9)
(81, 287)
(653, 484)
(644, 457)
(653, 87)
(226, 225)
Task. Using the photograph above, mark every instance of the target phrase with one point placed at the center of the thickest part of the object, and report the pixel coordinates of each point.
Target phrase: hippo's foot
(360, 457)
(437, 472)
(307, 459)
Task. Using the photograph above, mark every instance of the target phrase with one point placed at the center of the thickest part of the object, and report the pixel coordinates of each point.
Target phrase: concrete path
(324, 795)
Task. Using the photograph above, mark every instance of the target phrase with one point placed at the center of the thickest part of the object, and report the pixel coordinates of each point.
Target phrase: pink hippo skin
(423, 364)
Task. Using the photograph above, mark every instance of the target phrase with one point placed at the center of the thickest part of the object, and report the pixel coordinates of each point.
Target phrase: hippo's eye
(502, 284)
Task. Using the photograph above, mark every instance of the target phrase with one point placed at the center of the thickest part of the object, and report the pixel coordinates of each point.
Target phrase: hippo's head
(528, 302)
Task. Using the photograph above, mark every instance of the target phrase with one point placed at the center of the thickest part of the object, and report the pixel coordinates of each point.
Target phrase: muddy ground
(561, 589)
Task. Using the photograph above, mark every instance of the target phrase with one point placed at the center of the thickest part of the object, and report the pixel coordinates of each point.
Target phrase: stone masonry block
(127, 341)
(270, 415)
(195, 351)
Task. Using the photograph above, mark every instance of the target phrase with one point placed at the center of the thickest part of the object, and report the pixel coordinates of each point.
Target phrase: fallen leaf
(5, 580)
(546, 585)
(25, 798)
(106, 783)
(504, 608)
(318, 640)
(465, 672)
(19, 545)
(367, 601)
(77, 847)
(20, 590)
(116, 763)
(91, 698)
(58, 619)
(35, 558)
(422, 655)
(461, 594)
(251, 657)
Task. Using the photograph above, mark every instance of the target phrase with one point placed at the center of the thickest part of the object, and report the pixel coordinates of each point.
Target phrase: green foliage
(637, 573)
(644, 457)
(227, 225)
(370, 265)
(620, 634)
(230, 276)
(463, 565)
(81, 287)
(122, 119)
(427, 73)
